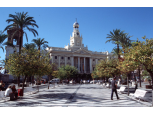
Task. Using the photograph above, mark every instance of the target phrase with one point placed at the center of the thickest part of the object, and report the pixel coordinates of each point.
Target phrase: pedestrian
(8, 91)
(81, 81)
(3, 87)
(136, 85)
(114, 87)
(14, 91)
(119, 81)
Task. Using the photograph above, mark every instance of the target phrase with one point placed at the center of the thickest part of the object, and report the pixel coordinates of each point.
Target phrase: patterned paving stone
(86, 95)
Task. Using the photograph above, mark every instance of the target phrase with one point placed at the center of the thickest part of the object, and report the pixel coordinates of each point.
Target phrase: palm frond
(26, 36)
(2, 48)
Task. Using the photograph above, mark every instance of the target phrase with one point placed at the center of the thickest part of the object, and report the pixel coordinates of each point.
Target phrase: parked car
(55, 81)
(65, 81)
(110, 79)
(99, 81)
(72, 81)
(85, 81)
(94, 81)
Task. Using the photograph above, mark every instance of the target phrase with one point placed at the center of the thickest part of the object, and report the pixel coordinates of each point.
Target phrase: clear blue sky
(56, 24)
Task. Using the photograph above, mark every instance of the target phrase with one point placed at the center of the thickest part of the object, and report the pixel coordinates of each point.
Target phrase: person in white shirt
(8, 91)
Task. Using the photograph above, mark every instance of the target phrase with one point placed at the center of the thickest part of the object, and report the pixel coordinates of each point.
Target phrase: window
(55, 57)
(62, 57)
(93, 59)
(68, 58)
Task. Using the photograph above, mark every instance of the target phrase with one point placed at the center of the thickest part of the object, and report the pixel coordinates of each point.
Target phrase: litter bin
(20, 92)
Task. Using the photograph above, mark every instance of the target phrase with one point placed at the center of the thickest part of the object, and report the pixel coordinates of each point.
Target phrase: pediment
(81, 51)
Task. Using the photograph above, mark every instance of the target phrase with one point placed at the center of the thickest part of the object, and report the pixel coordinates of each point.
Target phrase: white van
(56, 80)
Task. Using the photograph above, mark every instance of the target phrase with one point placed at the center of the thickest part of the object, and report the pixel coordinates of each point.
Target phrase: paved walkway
(85, 95)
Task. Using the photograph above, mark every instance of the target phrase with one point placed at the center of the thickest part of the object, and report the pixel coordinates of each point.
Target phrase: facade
(76, 54)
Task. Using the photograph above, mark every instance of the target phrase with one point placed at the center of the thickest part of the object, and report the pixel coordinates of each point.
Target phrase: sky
(56, 24)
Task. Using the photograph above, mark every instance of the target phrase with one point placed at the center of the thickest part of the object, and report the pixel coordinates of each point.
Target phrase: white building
(74, 54)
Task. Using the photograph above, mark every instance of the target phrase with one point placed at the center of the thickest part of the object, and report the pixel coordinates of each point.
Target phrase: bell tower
(76, 39)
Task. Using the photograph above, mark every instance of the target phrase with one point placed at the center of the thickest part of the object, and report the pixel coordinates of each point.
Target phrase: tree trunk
(118, 50)
(20, 45)
(48, 80)
(128, 83)
(139, 76)
(23, 84)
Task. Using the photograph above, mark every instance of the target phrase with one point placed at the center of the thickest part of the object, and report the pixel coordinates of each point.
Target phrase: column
(72, 61)
(79, 64)
(84, 65)
(65, 60)
(90, 65)
(59, 57)
(52, 59)
(96, 61)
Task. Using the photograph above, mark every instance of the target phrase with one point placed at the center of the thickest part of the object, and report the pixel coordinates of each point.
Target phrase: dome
(76, 25)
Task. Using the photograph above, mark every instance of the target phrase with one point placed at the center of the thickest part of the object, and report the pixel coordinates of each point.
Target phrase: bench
(121, 90)
(139, 94)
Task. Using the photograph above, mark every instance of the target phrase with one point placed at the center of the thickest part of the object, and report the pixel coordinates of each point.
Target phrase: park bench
(103, 85)
(140, 94)
(121, 90)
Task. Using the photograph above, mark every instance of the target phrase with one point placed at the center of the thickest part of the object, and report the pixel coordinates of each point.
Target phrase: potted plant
(148, 78)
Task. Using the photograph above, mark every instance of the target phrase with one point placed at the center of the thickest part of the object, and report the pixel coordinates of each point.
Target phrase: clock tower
(76, 39)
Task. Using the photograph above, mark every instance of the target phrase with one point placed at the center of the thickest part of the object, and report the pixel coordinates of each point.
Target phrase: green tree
(40, 43)
(67, 71)
(21, 21)
(27, 65)
(115, 37)
(141, 54)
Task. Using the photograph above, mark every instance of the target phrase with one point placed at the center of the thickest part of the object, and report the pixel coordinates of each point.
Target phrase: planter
(148, 86)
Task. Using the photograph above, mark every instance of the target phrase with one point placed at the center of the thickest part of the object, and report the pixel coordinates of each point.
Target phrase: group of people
(11, 92)
(2, 86)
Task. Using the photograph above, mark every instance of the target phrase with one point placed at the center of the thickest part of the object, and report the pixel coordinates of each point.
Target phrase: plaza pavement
(85, 95)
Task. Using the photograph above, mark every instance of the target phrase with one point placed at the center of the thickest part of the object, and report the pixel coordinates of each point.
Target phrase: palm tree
(115, 51)
(30, 46)
(21, 21)
(40, 42)
(125, 41)
(115, 37)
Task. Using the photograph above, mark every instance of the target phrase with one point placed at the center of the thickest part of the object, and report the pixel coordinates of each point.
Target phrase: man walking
(114, 86)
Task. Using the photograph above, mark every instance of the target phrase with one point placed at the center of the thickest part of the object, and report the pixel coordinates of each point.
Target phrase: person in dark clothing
(3, 87)
(136, 85)
(14, 91)
(114, 86)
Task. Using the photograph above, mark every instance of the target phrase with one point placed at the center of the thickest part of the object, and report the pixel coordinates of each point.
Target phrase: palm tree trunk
(118, 51)
(20, 45)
